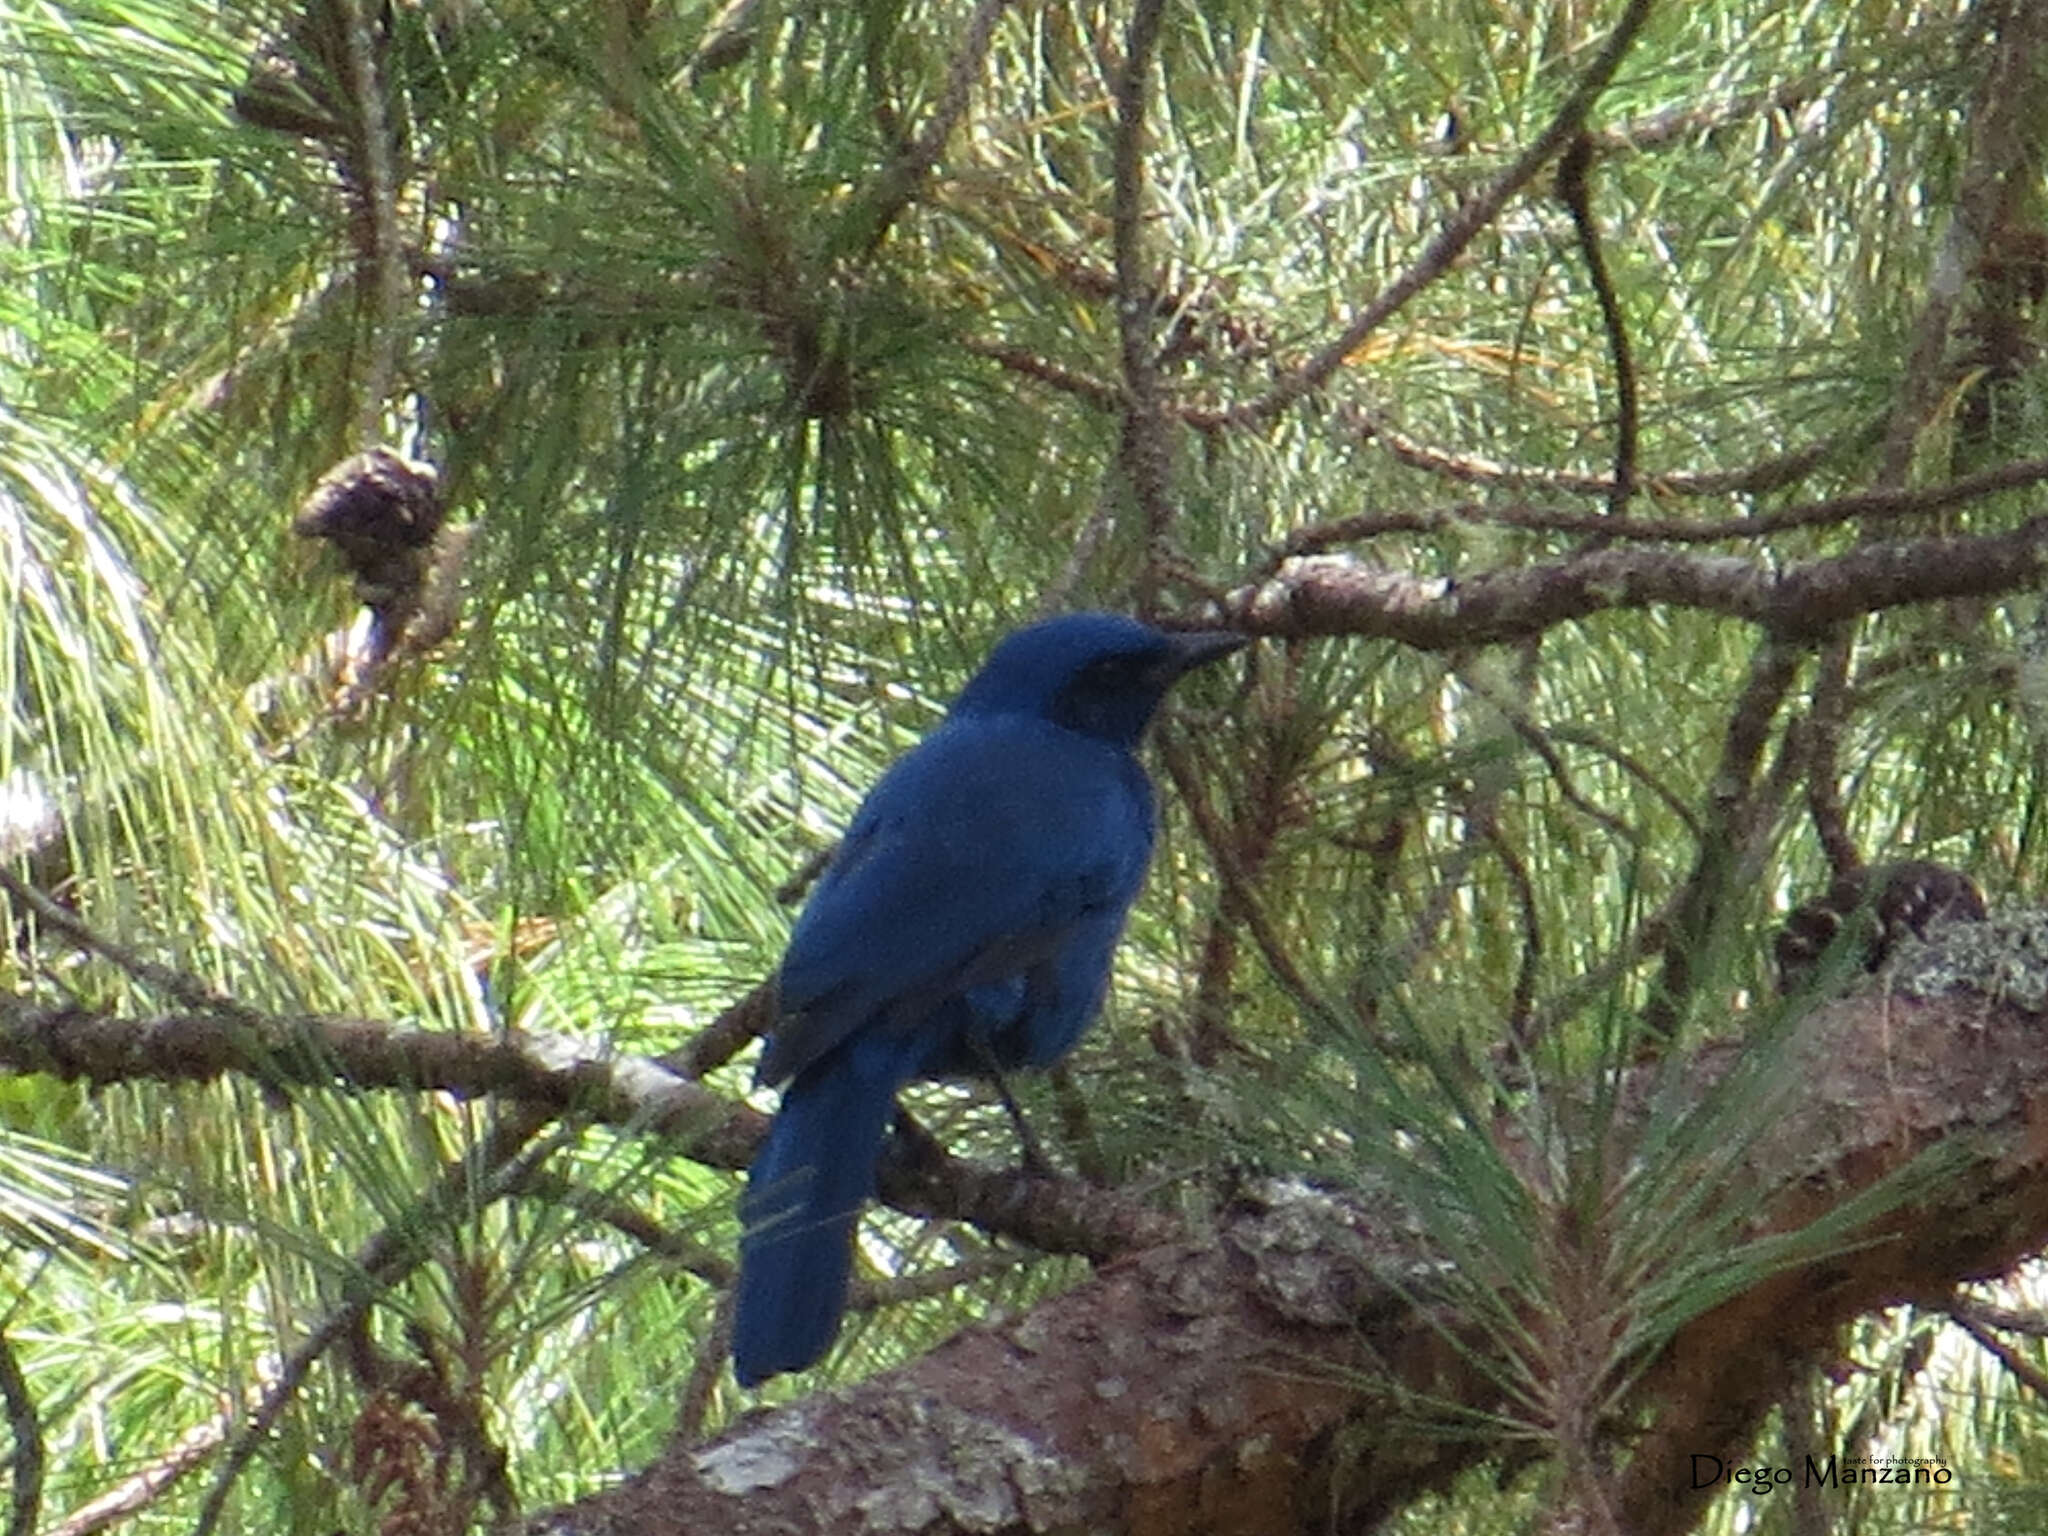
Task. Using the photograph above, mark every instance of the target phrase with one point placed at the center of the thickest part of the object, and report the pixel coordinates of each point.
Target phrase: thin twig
(1464, 227)
(1430, 918)
(1878, 504)
(1268, 788)
(472, 1183)
(181, 986)
(2032, 1324)
(1145, 453)
(1216, 839)
(900, 177)
(1781, 781)
(385, 255)
(1382, 852)
(1018, 360)
(1577, 197)
(1076, 1121)
(1538, 741)
(871, 1295)
(1823, 744)
(25, 1499)
(2000, 147)
(1081, 555)
(629, 1221)
(2023, 1370)
(1648, 935)
(1634, 767)
(1674, 125)
(727, 1035)
(707, 1364)
(1522, 1001)
(1387, 967)
(1731, 807)
(137, 1492)
(794, 889)
(1755, 479)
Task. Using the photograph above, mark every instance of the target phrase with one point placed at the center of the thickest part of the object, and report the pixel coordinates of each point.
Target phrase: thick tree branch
(1053, 1215)
(1124, 1406)
(1336, 595)
(1301, 1326)
(328, 1051)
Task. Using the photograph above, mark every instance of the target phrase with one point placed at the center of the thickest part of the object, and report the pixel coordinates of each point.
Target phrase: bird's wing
(969, 862)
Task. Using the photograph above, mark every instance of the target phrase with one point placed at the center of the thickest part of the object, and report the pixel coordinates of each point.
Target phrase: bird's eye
(1110, 672)
(1112, 696)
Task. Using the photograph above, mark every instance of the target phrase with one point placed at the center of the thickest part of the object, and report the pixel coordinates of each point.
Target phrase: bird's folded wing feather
(970, 861)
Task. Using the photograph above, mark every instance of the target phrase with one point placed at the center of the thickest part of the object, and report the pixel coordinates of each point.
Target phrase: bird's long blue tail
(804, 1193)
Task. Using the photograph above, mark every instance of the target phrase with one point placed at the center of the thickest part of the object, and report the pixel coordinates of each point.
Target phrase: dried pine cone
(1887, 901)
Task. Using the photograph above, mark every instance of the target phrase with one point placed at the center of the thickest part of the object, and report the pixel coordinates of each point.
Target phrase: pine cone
(1885, 902)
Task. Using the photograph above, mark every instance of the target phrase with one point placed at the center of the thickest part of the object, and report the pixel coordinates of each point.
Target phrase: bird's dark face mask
(1114, 697)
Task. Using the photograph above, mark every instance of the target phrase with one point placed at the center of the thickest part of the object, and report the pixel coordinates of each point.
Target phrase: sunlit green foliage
(759, 463)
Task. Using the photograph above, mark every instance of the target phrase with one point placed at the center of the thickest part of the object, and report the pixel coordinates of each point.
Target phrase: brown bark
(1274, 1374)
(1342, 595)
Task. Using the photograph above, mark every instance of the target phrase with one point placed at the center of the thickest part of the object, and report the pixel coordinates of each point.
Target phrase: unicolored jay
(965, 926)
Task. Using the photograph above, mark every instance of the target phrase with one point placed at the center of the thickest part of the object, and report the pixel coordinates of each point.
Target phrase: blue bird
(964, 927)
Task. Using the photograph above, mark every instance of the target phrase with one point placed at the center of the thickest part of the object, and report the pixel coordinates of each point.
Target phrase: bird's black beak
(1197, 648)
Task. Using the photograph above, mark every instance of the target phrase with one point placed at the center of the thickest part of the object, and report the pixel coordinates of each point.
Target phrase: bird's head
(1097, 673)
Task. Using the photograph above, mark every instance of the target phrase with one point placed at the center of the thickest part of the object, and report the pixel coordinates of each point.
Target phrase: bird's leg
(1036, 1163)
